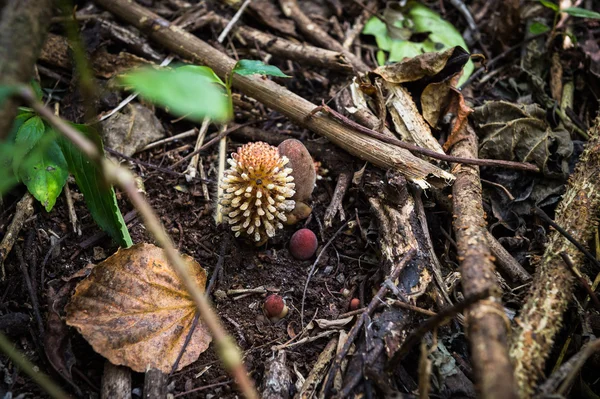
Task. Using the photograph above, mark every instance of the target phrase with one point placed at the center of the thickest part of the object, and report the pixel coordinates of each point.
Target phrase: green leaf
(37, 89)
(582, 12)
(7, 178)
(184, 91)
(255, 67)
(29, 133)
(537, 27)
(99, 197)
(204, 71)
(550, 5)
(442, 35)
(47, 173)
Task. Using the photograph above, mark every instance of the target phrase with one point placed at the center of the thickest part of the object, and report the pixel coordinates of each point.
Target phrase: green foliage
(255, 67)
(186, 91)
(99, 197)
(416, 18)
(537, 28)
(581, 12)
(34, 155)
(550, 5)
(47, 174)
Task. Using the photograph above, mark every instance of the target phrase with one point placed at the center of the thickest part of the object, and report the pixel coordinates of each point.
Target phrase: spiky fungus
(257, 189)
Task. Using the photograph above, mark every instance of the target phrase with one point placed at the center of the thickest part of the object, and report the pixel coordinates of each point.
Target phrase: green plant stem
(227, 349)
(29, 368)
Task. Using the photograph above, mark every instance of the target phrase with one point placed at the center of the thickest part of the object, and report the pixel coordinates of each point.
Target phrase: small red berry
(354, 304)
(274, 307)
(303, 244)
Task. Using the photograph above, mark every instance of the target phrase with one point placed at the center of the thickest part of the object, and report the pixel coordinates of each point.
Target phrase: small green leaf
(99, 197)
(537, 28)
(255, 67)
(47, 174)
(582, 12)
(185, 92)
(28, 135)
(550, 5)
(7, 177)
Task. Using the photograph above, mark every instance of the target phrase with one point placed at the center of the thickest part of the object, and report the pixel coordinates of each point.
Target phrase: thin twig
(31, 370)
(568, 236)
(233, 21)
(420, 150)
(582, 281)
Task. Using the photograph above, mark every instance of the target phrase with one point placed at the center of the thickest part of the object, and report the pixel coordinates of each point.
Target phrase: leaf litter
(134, 311)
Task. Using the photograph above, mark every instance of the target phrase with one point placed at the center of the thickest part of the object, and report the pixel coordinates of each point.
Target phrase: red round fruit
(354, 304)
(274, 307)
(303, 244)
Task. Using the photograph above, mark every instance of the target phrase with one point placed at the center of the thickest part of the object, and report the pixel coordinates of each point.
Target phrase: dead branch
(116, 382)
(275, 96)
(23, 212)
(304, 54)
(335, 206)
(487, 324)
(314, 33)
(541, 316)
(23, 25)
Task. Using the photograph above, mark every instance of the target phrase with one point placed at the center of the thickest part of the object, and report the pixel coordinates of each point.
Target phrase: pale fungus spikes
(257, 191)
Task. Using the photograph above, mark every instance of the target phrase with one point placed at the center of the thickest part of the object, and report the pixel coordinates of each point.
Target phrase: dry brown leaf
(134, 311)
(462, 111)
(441, 65)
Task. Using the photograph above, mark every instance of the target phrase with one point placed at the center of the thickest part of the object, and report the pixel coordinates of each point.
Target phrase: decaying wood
(155, 384)
(23, 212)
(487, 324)
(275, 96)
(318, 371)
(541, 316)
(278, 378)
(116, 382)
(23, 25)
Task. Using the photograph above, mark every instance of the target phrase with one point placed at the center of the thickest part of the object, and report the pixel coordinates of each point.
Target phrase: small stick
(23, 212)
(420, 150)
(335, 205)
(186, 134)
(582, 281)
(71, 207)
(233, 21)
(375, 301)
(116, 382)
(155, 384)
(568, 236)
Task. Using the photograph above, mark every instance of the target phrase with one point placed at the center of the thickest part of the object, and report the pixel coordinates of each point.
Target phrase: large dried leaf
(520, 133)
(433, 67)
(134, 311)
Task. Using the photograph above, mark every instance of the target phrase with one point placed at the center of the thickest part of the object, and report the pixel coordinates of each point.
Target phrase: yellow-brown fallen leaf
(134, 311)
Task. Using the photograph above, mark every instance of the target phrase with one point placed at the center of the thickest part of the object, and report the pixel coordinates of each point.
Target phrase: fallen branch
(275, 96)
(487, 324)
(541, 316)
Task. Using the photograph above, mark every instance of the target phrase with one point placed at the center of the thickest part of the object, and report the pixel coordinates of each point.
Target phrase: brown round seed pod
(303, 168)
(257, 191)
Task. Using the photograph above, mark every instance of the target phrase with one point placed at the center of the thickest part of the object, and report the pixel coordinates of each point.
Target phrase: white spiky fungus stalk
(257, 189)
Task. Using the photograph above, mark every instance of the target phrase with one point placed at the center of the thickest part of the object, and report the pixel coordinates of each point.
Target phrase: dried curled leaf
(521, 133)
(134, 311)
